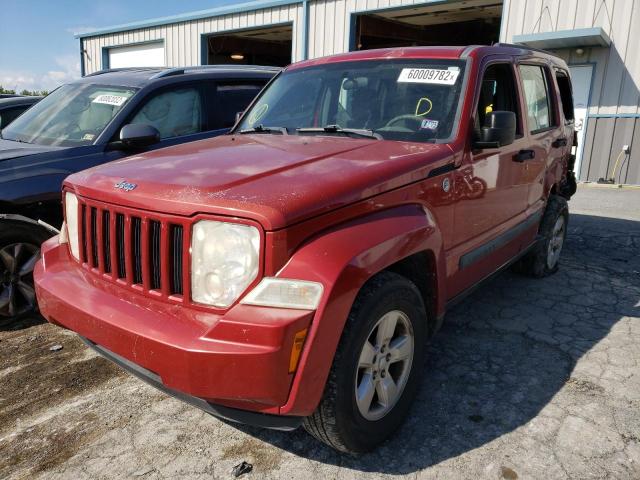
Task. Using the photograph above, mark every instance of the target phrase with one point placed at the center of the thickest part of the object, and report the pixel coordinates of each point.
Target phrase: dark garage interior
(463, 23)
(260, 46)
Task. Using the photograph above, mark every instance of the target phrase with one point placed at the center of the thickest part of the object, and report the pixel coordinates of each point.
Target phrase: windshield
(411, 100)
(72, 115)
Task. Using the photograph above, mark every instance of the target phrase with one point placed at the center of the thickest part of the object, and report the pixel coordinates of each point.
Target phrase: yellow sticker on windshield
(423, 107)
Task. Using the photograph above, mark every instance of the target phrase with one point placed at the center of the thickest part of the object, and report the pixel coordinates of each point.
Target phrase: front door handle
(559, 142)
(523, 155)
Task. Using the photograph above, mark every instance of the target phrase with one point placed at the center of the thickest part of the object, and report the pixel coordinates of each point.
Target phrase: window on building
(174, 113)
(566, 96)
(232, 98)
(497, 92)
(537, 98)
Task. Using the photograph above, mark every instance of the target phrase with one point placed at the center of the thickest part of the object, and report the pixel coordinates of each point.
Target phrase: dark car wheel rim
(384, 365)
(17, 295)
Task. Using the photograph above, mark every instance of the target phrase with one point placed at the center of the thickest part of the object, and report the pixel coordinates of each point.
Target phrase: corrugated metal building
(596, 37)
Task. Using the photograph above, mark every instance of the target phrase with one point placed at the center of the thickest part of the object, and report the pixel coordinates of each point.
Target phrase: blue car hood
(10, 149)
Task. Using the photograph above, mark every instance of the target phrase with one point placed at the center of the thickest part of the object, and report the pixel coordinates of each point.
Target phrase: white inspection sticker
(429, 75)
(116, 100)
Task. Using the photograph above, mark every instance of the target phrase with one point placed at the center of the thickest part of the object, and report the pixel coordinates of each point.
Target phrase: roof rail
(169, 72)
(127, 69)
(522, 47)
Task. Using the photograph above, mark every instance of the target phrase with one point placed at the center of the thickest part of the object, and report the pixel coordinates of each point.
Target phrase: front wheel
(377, 367)
(19, 252)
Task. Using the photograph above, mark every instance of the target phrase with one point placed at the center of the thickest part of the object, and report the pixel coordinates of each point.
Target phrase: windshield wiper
(358, 132)
(262, 129)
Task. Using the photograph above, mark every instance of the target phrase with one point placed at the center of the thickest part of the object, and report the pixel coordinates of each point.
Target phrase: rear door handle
(523, 155)
(559, 142)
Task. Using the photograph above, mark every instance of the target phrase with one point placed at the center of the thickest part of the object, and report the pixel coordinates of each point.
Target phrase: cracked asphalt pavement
(527, 379)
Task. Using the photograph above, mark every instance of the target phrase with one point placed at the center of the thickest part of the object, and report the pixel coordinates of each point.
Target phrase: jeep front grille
(140, 249)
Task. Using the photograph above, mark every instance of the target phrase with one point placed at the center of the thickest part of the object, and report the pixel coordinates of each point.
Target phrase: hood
(276, 180)
(10, 149)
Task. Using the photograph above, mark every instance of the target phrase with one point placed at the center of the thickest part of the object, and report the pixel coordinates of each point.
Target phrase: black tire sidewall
(358, 433)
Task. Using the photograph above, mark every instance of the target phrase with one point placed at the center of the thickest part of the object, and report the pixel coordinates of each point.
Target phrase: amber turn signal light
(296, 349)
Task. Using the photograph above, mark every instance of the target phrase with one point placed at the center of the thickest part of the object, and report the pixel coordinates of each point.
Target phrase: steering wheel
(405, 119)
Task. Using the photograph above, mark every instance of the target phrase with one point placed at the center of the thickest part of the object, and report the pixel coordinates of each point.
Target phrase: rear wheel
(377, 367)
(19, 252)
(544, 259)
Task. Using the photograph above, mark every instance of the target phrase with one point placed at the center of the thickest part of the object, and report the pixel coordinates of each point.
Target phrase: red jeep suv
(290, 273)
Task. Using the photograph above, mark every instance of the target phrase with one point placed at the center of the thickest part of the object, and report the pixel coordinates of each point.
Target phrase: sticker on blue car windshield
(429, 75)
(115, 100)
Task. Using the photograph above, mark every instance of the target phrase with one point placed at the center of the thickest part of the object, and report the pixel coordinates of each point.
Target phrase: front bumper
(265, 420)
(227, 364)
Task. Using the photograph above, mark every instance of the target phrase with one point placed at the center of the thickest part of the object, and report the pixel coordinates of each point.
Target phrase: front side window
(232, 98)
(536, 93)
(408, 100)
(497, 93)
(173, 113)
(72, 115)
(8, 115)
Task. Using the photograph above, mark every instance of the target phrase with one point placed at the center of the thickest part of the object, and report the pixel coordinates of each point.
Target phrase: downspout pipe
(305, 29)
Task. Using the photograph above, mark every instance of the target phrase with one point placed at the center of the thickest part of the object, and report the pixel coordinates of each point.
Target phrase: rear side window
(232, 98)
(174, 113)
(566, 95)
(537, 98)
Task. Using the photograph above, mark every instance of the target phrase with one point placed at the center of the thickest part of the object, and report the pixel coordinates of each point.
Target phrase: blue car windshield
(72, 115)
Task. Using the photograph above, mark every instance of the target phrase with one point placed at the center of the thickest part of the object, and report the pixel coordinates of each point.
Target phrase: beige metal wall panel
(632, 170)
(330, 22)
(601, 150)
(616, 84)
(183, 39)
(622, 135)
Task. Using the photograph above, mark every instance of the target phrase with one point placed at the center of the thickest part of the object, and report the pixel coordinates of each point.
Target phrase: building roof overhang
(581, 37)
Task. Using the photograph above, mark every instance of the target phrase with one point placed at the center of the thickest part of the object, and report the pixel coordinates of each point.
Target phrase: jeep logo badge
(126, 186)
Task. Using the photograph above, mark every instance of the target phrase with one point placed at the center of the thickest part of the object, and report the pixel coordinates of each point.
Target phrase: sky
(37, 47)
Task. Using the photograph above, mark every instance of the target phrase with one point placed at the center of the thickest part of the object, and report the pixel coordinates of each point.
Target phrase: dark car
(100, 118)
(14, 106)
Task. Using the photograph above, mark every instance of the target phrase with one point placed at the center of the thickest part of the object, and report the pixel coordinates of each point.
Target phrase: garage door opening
(260, 46)
(142, 55)
(470, 22)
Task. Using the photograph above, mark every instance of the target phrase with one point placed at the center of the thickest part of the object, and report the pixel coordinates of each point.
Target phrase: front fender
(343, 259)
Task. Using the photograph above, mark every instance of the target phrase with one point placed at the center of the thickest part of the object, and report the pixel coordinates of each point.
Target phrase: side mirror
(499, 130)
(139, 135)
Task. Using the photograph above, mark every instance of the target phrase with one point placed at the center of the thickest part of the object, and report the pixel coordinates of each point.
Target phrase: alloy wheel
(555, 243)
(17, 293)
(384, 365)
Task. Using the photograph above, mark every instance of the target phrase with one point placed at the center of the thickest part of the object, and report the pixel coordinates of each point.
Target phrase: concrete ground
(527, 379)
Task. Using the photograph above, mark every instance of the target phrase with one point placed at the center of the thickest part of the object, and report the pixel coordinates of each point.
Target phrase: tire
(19, 251)
(539, 262)
(339, 421)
